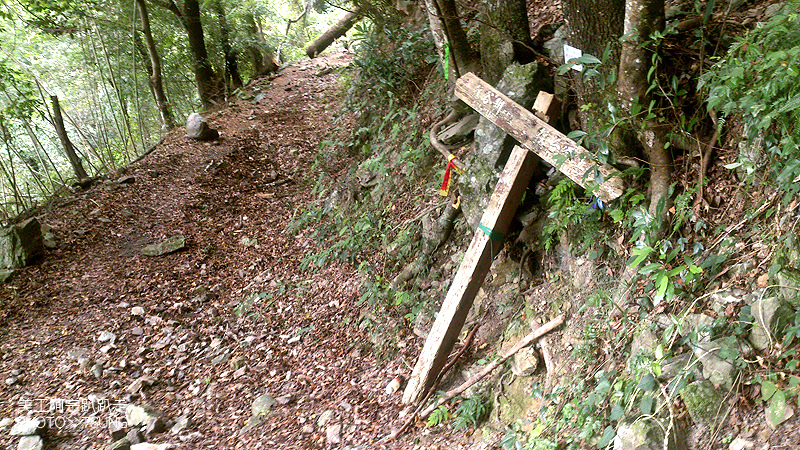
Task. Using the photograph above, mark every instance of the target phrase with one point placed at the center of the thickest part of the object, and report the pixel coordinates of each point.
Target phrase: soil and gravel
(208, 329)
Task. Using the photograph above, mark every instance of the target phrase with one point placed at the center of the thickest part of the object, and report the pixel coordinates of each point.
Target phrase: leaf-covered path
(208, 329)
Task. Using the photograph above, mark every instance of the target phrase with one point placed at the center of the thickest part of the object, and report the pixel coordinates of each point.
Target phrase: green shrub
(758, 80)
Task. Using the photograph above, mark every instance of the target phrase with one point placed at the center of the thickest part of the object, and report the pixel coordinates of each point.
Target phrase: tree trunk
(232, 76)
(263, 60)
(642, 18)
(62, 135)
(505, 37)
(154, 68)
(334, 32)
(204, 75)
(593, 24)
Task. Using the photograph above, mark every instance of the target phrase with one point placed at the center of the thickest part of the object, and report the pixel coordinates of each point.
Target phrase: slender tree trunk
(65, 142)
(642, 18)
(231, 66)
(154, 68)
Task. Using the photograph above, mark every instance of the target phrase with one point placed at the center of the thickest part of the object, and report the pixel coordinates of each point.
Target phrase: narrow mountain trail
(206, 331)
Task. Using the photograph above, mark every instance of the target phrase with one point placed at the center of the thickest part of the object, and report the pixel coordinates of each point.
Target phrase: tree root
(434, 234)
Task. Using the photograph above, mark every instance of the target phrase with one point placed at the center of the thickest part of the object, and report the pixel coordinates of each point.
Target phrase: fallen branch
(524, 342)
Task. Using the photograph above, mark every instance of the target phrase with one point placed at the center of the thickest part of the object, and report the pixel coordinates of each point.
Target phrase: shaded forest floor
(215, 325)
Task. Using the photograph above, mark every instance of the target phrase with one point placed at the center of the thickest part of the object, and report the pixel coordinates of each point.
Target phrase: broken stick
(524, 342)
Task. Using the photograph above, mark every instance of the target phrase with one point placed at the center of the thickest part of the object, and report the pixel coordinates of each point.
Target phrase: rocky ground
(226, 338)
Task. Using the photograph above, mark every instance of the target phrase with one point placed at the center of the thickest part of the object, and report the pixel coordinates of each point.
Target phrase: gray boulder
(197, 128)
(647, 434)
(493, 146)
(771, 315)
(21, 244)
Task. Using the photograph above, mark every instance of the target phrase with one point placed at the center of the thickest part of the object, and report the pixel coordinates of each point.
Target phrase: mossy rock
(704, 403)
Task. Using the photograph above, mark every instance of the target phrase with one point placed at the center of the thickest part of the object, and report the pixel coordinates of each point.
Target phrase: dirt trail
(227, 319)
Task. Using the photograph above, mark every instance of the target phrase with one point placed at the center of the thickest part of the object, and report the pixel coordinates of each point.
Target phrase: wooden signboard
(536, 135)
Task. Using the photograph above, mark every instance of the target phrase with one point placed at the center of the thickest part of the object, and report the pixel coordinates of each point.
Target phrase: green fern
(469, 413)
(438, 416)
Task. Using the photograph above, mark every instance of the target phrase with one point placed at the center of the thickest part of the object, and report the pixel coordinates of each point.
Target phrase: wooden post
(486, 242)
(68, 148)
(536, 135)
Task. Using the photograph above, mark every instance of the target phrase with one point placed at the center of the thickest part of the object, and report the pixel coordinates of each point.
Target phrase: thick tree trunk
(336, 31)
(154, 68)
(74, 161)
(231, 66)
(642, 18)
(204, 74)
(505, 37)
(593, 24)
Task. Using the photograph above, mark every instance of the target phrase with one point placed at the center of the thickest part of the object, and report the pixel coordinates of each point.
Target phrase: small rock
(333, 434)
(10, 381)
(6, 422)
(772, 315)
(16, 372)
(149, 446)
(30, 443)
(137, 331)
(106, 348)
(741, 444)
(77, 353)
(97, 370)
(197, 128)
(119, 444)
(126, 179)
(773, 10)
(135, 436)
(107, 336)
(324, 418)
(138, 415)
(646, 434)
(307, 429)
(183, 422)
(525, 362)
(393, 385)
(261, 405)
(116, 428)
(155, 426)
(169, 245)
(137, 311)
(139, 384)
(28, 426)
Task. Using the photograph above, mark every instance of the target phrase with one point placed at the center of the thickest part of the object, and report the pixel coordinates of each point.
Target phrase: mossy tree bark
(505, 37)
(642, 19)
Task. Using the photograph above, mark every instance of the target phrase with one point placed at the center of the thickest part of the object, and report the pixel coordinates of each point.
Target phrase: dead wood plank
(476, 263)
(536, 135)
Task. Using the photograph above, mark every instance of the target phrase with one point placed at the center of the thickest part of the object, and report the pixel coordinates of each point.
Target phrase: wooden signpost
(487, 241)
(535, 136)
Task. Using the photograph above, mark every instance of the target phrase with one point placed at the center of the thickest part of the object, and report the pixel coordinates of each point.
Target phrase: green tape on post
(493, 235)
